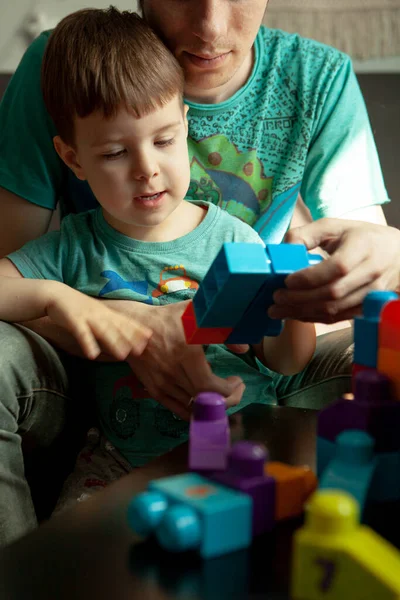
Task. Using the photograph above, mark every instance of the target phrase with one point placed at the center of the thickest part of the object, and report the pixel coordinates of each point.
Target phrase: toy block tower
(336, 558)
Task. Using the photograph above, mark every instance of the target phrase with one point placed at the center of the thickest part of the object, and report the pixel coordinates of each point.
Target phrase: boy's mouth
(149, 196)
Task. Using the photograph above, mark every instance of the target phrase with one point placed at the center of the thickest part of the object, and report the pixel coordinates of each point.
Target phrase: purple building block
(373, 410)
(209, 436)
(246, 473)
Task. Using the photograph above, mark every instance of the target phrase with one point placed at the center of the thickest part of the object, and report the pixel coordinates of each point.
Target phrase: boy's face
(211, 39)
(138, 169)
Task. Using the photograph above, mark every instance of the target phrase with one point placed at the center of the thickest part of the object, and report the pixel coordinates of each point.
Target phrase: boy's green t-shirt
(92, 257)
(298, 125)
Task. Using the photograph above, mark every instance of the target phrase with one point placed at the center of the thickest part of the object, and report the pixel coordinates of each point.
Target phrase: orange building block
(202, 335)
(294, 485)
(389, 364)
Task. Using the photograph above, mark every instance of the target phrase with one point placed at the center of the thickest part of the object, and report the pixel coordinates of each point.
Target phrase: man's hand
(172, 371)
(363, 257)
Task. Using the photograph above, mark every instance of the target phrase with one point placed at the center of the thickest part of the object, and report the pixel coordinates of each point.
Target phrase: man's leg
(326, 377)
(33, 394)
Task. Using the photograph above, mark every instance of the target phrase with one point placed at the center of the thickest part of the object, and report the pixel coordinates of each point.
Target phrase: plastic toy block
(230, 284)
(246, 473)
(255, 322)
(353, 466)
(389, 326)
(294, 485)
(209, 434)
(385, 484)
(389, 363)
(373, 410)
(366, 328)
(201, 335)
(188, 512)
(336, 558)
(357, 369)
(325, 453)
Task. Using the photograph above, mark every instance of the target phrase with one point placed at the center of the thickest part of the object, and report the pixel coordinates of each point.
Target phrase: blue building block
(255, 322)
(231, 283)
(385, 485)
(353, 466)
(188, 512)
(325, 453)
(366, 328)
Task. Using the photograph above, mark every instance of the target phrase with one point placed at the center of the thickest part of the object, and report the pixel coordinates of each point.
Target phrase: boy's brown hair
(98, 60)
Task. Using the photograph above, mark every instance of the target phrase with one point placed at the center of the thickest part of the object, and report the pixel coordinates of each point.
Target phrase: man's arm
(20, 221)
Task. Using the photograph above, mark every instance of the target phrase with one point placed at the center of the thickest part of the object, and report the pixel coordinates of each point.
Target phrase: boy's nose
(143, 168)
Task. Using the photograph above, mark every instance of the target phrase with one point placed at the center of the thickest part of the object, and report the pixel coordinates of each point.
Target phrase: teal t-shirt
(89, 255)
(298, 125)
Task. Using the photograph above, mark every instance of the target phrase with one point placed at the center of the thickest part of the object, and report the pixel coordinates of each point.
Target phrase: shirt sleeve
(343, 171)
(29, 164)
(43, 258)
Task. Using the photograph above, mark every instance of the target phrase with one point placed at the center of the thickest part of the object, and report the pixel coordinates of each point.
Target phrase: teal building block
(325, 452)
(255, 322)
(366, 328)
(231, 283)
(192, 513)
(385, 485)
(353, 466)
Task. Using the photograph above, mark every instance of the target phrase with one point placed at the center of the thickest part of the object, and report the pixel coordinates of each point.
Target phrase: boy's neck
(185, 218)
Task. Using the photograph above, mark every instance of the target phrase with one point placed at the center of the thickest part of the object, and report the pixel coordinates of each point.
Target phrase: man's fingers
(316, 233)
(343, 262)
(200, 375)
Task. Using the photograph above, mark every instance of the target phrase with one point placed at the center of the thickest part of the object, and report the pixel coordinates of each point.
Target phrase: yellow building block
(336, 558)
(388, 363)
(293, 485)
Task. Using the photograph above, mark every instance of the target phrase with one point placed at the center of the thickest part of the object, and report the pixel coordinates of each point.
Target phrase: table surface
(90, 552)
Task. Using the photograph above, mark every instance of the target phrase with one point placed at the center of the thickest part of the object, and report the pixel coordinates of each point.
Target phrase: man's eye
(114, 155)
(163, 143)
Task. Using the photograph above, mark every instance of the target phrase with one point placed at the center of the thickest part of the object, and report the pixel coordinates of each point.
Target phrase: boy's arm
(92, 323)
(289, 352)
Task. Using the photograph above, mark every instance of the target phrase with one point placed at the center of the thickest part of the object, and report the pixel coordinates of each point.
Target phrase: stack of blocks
(231, 495)
(358, 462)
(231, 303)
(358, 439)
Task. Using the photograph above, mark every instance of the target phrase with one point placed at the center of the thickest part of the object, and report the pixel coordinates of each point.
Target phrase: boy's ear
(185, 112)
(69, 156)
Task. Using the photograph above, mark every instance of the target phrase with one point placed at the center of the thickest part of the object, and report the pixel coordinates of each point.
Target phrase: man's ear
(69, 155)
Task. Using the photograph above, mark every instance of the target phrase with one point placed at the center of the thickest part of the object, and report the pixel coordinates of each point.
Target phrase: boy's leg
(326, 377)
(33, 394)
(98, 464)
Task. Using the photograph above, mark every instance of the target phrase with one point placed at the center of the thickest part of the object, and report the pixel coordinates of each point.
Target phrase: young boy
(122, 127)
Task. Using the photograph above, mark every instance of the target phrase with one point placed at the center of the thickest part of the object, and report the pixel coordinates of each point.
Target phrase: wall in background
(22, 20)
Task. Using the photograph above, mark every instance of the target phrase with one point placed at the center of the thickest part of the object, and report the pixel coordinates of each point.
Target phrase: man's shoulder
(292, 51)
(36, 49)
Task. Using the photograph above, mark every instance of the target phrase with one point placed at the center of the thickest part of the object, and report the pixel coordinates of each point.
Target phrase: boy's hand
(96, 327)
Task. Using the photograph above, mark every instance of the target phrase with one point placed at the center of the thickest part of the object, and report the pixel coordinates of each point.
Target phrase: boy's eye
(114, 155)
(162, 143)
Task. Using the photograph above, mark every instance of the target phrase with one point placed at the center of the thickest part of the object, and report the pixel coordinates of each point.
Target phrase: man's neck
(226, 90)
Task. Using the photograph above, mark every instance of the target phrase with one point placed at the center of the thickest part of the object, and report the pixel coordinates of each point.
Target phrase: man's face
(211, 39)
